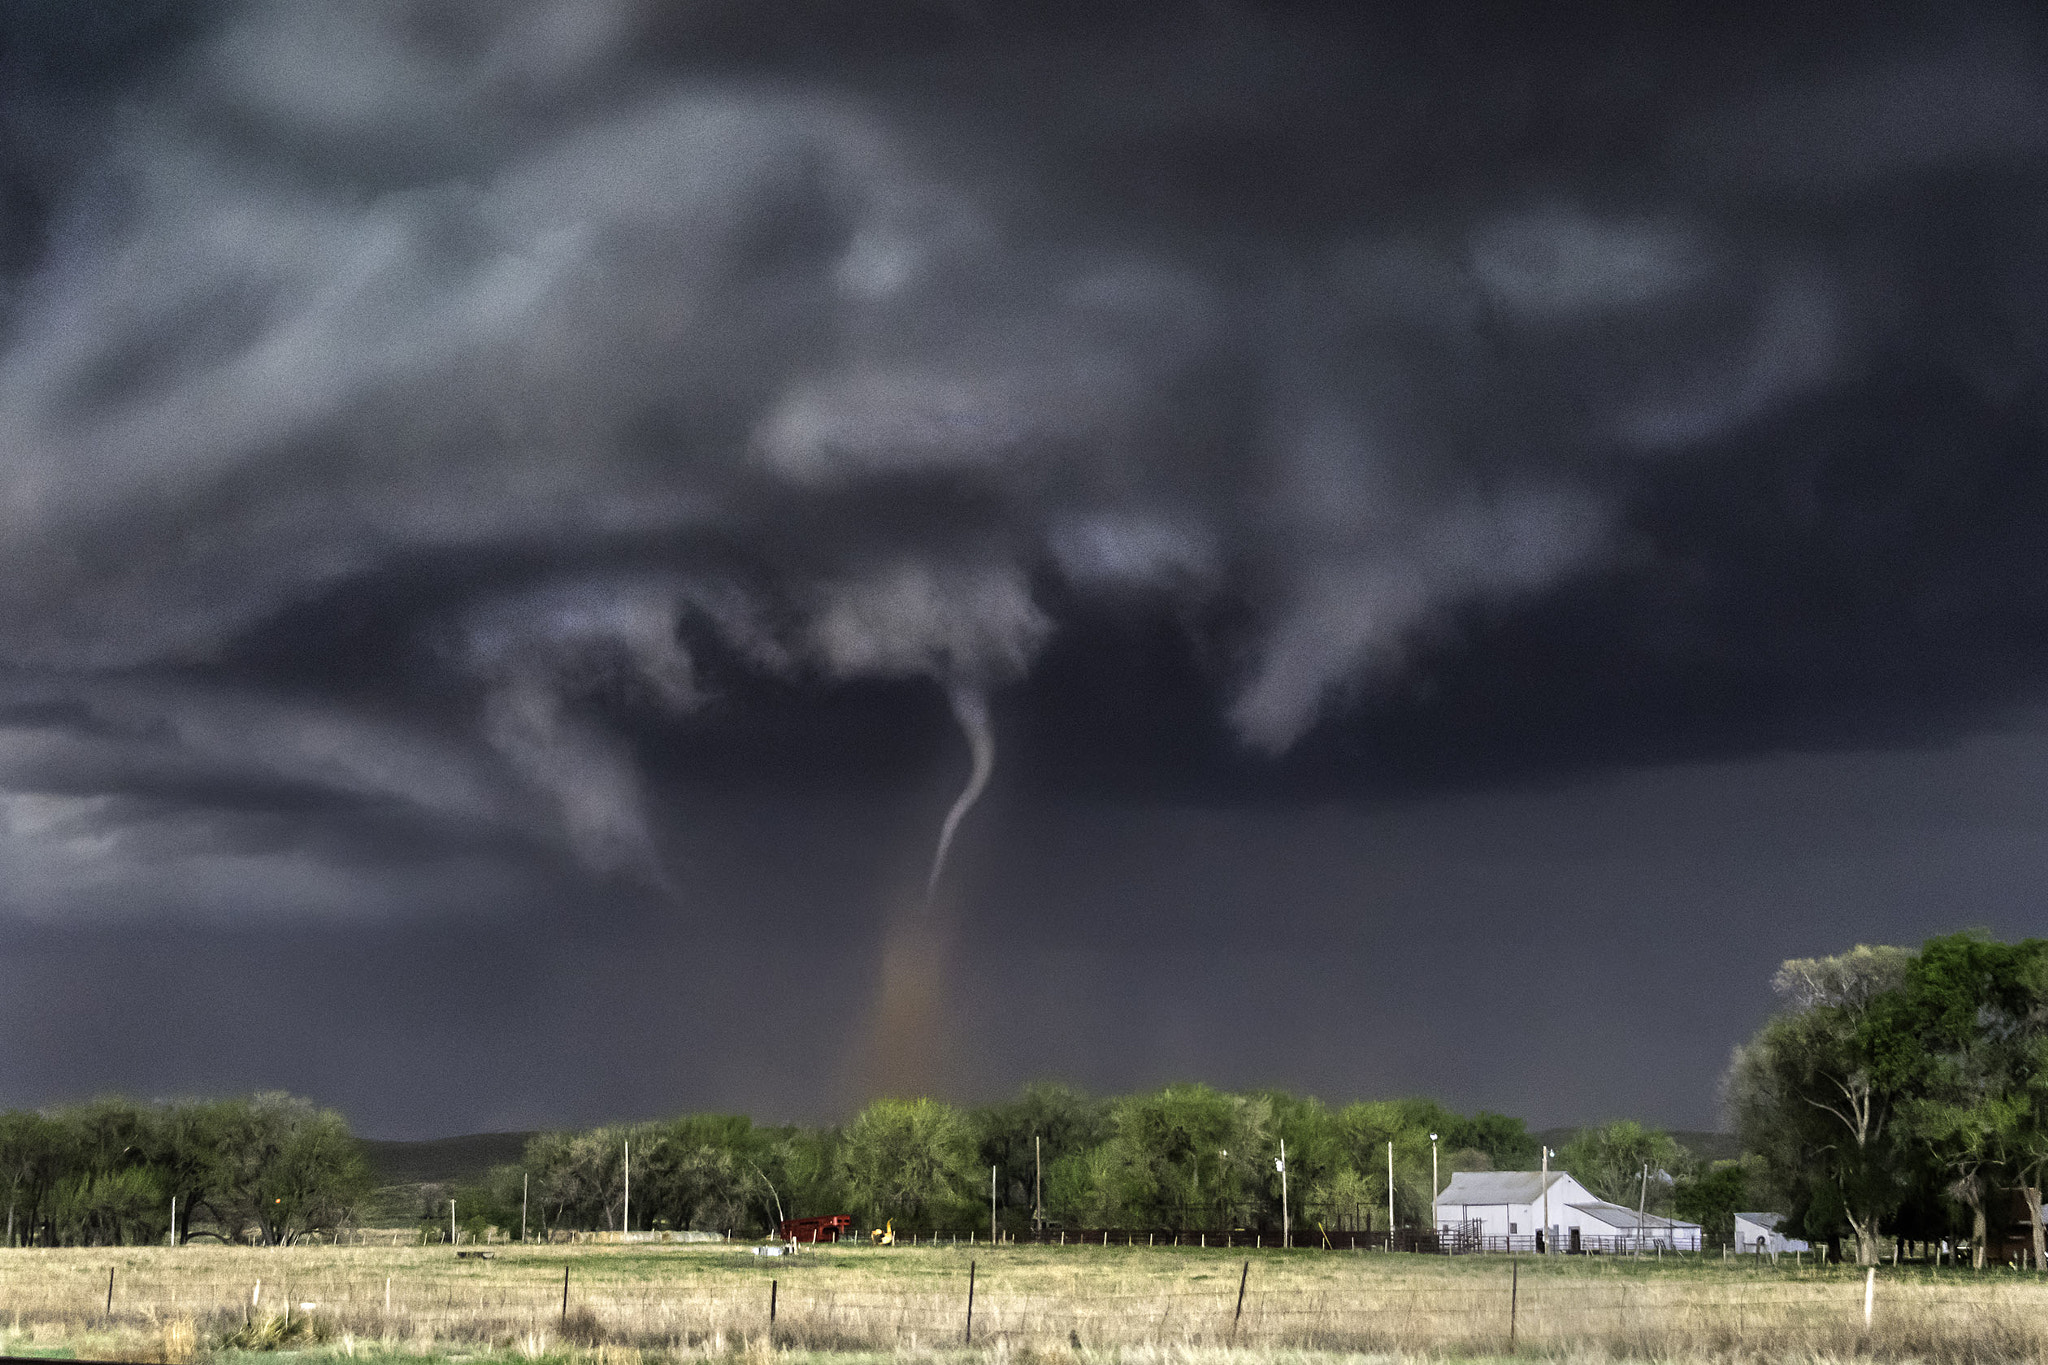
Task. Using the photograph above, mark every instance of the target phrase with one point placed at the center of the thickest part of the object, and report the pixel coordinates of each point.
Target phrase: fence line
(1818, 1312)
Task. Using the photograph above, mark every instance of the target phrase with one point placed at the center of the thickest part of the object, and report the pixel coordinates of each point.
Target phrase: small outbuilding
(1759, 1233)
(1610, 1227)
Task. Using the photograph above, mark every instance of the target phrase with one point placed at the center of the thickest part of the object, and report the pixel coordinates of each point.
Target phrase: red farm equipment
(829, 1229)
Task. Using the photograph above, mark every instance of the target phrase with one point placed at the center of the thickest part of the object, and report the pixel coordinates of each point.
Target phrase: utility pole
(1642, 1203)
(1286, 1229)
(1435, 1187)
(451, 1222)
(1390, 1196)
(174, 1222)
(1544, 1232)
(524, 1180)
(626, 1215)
(991, 1205)
(1037, 1182)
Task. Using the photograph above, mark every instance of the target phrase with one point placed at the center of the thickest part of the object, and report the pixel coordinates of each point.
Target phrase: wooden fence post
(565, 1296)
(970, 1303)
(1514, 1296)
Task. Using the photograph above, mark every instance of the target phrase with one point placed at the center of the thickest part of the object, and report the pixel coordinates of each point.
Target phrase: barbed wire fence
(1495, 1308)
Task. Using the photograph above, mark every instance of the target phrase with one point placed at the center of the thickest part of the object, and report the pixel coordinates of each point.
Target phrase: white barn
(1759, 1232)
(1504, 1208)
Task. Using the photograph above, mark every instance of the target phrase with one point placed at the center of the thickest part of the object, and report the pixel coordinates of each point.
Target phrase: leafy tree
(911, 1160)
(120, 1207)
(30, 1164)
(704, 1171)
(1365, 1129)
(804, 1163)
(493, 1202)
(1627, 1164)
(1082, 1191)
(1343, 1199)
(2024, 1141)
(579, 1178)
(1507, 1143)
(1045, 1123)
(105, 1172)
(1957, 1110)
(1712, 1198)
(188, 1153)
(1971, 1005)
(286, 1169)
(1816, 1092)
(1317, 1158)
(1187, 1148)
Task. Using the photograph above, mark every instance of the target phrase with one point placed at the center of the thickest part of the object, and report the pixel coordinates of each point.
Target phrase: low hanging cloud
(600, 329)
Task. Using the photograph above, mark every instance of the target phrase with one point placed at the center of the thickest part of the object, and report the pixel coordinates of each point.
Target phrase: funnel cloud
(970, 710)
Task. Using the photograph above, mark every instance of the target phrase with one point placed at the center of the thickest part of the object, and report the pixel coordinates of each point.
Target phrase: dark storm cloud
(443, 416)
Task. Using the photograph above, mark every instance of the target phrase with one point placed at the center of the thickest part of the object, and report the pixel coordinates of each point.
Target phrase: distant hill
(443, 1161)
(1705, 1146)
(405, 1170)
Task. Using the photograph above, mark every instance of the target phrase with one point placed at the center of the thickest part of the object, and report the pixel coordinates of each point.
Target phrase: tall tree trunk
(1977, 1234)
(1866, 1240)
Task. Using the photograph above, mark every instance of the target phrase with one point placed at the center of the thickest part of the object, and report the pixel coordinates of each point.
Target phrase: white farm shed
(1756, 1232)
(1503, 1209)
(1610, 1227)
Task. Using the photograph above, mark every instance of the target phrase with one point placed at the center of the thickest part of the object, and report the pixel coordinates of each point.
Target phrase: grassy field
(628, 1305)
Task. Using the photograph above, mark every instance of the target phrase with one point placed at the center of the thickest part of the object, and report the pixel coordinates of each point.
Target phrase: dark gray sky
(1474, 539)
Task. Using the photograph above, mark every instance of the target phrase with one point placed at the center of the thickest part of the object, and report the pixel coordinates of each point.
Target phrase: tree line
(269, 1168)
(1183, 1156)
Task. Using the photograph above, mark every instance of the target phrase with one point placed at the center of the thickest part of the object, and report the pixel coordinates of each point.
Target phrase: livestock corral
(625, 1304)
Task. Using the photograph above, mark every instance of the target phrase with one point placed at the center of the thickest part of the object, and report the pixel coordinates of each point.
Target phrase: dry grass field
(640, 1305)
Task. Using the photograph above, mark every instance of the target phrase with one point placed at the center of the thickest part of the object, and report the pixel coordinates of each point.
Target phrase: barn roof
(1623, 1219)
(1496, 1187)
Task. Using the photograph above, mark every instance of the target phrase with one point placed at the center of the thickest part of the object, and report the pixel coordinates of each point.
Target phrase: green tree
(1712, 1198)
(1366, 1128)
(287, 1169)
(1815, 1093)
(31, 1165)
(1190, 1156)
(910, 1160)
(2025, 1140)
(804, 1163)
(1507, 1143)
(1318, 1163)
(493, 1202)
(125, 1206)
(1044, 1124)
(190, 1155)
(1081, 1189)
(578, 1178)
(704, 1171)
(1627, 1164)
(1971, 1006)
